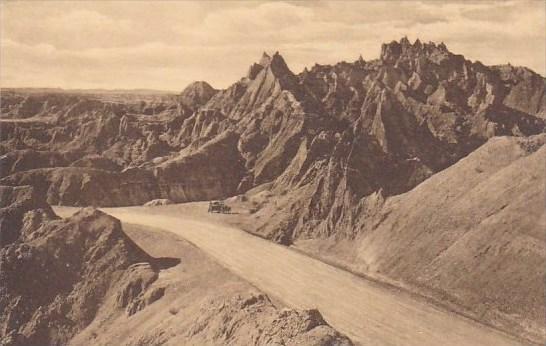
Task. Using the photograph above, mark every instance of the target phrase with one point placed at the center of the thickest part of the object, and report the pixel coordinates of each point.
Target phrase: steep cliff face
(209, 172)
(525, 90)
(81, 186)
(263, 109)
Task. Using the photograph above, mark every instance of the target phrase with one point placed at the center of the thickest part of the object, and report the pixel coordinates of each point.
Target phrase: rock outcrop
(253, 320)
(158, 202)
(384, 125)
(55, 274)
(196, 95)
(15, 202)
(134, 293)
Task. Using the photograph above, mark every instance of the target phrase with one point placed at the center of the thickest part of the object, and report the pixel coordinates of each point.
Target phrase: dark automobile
(218, 207)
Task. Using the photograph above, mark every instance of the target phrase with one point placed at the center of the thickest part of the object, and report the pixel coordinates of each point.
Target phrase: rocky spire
(404, 42)
(278, 65)
(265, 60)
(253, 70)
(391, 52)
(272, 70)
(275, 63)
(360, 60)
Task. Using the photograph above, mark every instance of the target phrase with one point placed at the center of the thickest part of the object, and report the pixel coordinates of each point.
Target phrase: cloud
(170, 43)
(265, 17)
(74, 29)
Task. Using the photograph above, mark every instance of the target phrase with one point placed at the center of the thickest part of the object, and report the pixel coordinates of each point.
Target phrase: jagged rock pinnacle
(390, 52)
(278, 66)
(361, 60)
(265, 60)
(253, 70)
(276, 63)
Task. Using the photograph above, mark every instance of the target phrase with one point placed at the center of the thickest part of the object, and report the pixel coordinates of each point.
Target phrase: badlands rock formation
(56, 274)
(365, 153)
(342, 131)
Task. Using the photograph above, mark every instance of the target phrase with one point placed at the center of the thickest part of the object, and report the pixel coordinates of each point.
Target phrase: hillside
(471, 237)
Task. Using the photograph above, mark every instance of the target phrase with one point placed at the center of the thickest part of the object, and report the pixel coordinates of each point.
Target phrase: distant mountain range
(86, 91)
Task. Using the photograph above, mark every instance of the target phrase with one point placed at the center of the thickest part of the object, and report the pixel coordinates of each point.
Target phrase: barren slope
(204, 304)
(472, 237)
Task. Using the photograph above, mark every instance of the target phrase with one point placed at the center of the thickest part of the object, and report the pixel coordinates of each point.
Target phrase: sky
(168, 44)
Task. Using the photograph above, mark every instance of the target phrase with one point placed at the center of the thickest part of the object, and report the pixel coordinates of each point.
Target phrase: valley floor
(367, 312)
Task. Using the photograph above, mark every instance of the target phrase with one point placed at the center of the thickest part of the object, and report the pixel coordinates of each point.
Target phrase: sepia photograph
(281, 173)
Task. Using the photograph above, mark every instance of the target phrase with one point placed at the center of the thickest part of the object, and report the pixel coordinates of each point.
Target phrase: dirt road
(366, 312)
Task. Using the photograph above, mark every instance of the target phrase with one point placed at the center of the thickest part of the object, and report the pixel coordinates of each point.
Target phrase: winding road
(368, 313)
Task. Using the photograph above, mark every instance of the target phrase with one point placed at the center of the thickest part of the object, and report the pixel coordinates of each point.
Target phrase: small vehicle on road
(218, 207)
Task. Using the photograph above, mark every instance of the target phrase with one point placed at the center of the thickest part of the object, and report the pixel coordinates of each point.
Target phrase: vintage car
(218, 207)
